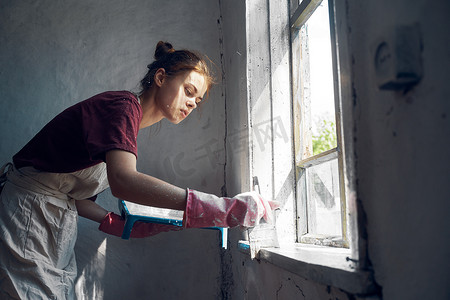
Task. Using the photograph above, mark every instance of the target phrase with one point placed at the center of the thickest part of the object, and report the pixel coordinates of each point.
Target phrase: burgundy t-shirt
(80, 136)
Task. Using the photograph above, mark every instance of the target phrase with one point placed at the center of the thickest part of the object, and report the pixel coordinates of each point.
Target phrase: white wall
(402, 146)
(56, 53)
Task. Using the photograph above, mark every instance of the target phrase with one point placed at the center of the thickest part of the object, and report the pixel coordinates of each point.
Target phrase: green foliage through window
(326, 137)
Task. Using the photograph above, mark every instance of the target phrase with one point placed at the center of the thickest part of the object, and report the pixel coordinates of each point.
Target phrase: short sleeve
(112, 126)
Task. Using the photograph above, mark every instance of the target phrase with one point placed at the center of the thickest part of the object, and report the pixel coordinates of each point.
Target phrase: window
(296, 146)
(321, 205)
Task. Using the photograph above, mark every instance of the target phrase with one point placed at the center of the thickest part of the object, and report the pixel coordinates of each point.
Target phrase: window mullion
(319, 158)
(338, 105)
(303, 12)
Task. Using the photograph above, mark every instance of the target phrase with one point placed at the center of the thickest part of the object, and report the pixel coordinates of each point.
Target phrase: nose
(190, 103)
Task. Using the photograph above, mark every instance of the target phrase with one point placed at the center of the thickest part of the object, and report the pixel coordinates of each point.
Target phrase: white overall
(38, 230)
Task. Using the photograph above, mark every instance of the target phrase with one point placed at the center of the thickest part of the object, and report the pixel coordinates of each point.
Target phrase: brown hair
(175, 62)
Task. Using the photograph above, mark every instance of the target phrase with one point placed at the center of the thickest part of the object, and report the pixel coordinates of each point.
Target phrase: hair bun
(162, 49)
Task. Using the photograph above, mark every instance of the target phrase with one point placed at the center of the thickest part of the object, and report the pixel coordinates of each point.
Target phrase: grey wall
(237, 121)
(402, 146)
(54, 54)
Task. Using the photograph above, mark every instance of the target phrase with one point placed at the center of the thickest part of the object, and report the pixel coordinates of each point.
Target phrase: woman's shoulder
(106, 103)
(111, 95)
(112, 99)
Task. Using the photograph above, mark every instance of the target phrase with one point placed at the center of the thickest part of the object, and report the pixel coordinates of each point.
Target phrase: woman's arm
(127, 183)
(201, 209)
(91, 210)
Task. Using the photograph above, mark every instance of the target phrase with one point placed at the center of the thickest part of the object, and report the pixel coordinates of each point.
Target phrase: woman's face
(178, 96)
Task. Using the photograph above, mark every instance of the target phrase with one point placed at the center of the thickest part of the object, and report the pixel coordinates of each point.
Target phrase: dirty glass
(324, 203)
(315, 36)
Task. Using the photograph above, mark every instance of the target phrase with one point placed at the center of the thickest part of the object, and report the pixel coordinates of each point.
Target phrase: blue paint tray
(133, 212)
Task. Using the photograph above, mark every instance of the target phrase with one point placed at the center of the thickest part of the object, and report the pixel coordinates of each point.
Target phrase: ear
(159, 77)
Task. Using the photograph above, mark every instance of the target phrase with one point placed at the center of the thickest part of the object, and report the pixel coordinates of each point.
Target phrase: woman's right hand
(246, 209)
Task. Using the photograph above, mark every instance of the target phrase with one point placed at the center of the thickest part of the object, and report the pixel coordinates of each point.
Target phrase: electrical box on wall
(397, 58)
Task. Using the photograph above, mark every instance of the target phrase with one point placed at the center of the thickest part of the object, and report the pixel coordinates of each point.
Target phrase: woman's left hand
(113, 224)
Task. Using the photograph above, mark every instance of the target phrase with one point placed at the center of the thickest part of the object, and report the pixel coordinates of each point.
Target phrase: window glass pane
(324, 203)
(316, 35)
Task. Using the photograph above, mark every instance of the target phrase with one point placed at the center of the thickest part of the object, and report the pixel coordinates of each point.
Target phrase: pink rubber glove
(206, 210)
(113, 224)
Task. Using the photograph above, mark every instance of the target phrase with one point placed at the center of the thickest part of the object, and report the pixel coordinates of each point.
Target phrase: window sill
(325, 265)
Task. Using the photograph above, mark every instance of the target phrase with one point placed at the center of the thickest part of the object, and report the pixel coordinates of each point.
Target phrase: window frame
(301, 14)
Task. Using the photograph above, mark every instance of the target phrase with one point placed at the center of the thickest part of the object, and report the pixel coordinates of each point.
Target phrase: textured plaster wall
(401, 151)
(56, 53)
(238, 163)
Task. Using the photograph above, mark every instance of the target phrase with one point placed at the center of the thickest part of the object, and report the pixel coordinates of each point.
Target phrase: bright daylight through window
(321, 207)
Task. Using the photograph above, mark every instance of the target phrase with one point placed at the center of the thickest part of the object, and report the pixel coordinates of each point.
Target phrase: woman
(82, 151)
